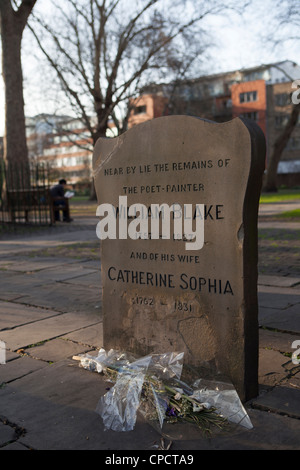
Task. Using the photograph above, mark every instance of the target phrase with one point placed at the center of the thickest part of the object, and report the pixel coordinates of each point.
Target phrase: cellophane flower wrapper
(224, 398)
(144, 384)
(113, 358)
(118, 407)
(166, 366)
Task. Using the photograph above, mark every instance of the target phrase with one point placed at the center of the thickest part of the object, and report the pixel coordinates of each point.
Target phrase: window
(252, 115)
(257, 75)
(140, 109)
(282, 99)
(248, 96)
(293, 143)
(281, 120)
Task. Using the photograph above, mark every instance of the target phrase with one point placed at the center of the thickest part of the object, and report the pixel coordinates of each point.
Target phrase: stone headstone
(162, 294)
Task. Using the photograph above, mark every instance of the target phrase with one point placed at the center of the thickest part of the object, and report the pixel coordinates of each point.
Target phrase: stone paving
(50, 310)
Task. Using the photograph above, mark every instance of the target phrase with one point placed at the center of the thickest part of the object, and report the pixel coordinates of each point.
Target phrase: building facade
(262, 94)
(63, 144)
(146, 107)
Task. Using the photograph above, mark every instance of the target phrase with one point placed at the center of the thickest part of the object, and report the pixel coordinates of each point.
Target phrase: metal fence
(25, 194)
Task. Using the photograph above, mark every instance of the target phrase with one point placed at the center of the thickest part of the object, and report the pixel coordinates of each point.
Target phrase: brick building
(249, 100)
(146, 107)
(261, 93)
(62, 143)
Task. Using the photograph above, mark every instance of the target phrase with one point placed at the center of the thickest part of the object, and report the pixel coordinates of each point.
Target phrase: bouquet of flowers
(170, 403)
(152, 385)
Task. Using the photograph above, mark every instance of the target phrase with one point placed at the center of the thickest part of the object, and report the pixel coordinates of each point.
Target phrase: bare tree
(13, 19)
(104, 51)
(285, 21)
(270, 184)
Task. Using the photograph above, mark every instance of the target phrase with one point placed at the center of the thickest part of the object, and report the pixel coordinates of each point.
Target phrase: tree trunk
(270, 184)
(12, 23)
(15, 148)
(100, 132)
(93, 195)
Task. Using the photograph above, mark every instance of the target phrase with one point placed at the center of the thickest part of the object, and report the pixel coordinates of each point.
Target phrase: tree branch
(24, 11)
(72, 93)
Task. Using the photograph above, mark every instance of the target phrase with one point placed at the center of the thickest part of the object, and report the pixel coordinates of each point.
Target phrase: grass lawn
(79, 199)
(82, 206)
(294, 214)
(282, 195)
(278, 252)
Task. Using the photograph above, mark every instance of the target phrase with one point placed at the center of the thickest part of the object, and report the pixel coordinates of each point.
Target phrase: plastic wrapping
(224, 398)
(167, 365)
(118, 407)
(112, 358)
(152, 384)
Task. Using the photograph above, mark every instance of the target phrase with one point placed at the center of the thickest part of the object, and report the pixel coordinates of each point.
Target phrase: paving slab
(19, 368)
(94, 264)
(282, 400)
(277, 297)
(57, 349)
(16, 314)
(278, 281)
(36, 264)
(273, 367)
(5, 263)
(277, 207)
(63, 297)
(267, 224)
(46, 329)
(287, 319)
(11, 295)
(275, 340)
(7, 434)
(62, 273)
(92, 280)
(293, 382)
(270, 432)
(17, 282)
(51, 238)
(10, 355)
(15, 446)
(91, 336)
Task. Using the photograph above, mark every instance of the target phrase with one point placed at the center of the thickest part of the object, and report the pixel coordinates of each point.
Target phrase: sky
(238, 44)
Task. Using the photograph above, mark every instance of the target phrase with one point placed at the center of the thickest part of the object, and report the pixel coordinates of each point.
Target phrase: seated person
(60, 202)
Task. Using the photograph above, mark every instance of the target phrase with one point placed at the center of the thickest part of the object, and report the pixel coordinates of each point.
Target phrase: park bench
(33, 204)
(36, 201)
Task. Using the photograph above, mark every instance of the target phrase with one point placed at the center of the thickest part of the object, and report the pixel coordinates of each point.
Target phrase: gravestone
(163, 294)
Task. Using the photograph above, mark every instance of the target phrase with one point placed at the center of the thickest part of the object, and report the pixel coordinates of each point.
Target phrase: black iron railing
(25, 194)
